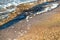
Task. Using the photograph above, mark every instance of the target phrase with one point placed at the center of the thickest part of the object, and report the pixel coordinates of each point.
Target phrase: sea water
(38, 9)
(7, 6)
(8, 3)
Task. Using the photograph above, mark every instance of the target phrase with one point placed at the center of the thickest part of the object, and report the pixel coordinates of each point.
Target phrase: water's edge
(23, 15)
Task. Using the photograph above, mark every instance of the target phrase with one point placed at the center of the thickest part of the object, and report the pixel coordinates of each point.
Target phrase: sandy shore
(45, 26)
(19, 9)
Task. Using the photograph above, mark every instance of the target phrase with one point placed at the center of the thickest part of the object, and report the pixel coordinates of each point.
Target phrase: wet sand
(45, 26)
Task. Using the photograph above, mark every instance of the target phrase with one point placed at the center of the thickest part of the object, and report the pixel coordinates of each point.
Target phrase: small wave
(38, 9)
(10, 3)
(41, 8)
(49, 7)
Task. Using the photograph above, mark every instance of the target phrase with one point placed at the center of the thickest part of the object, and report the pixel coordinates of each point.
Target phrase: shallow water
(9, 3)
(38, 9)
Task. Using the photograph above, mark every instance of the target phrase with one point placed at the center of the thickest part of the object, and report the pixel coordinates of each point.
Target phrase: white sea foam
(17, 2)
(49, 7)
(8, 3)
